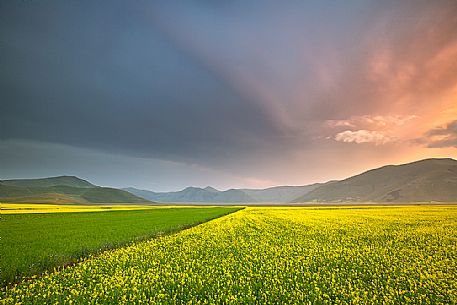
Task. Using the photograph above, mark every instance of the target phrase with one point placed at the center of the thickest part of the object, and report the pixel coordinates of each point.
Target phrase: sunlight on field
(356, 255)
(19, 208)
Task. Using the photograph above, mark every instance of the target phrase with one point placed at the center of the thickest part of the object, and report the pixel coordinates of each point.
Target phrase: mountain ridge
(432, 179)
(212, 195)
(194, 195)
(49, 181)
(62, 189)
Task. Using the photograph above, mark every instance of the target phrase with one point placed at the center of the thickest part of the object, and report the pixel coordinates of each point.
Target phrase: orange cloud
(443, 136)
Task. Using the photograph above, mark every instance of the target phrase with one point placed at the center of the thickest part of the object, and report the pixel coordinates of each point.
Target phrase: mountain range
(62, 189)
(212, 195)
(421, 181)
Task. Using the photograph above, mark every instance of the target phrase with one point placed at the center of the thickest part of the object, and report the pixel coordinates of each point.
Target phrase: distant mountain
(280, 193)
(211, 189)
(195, 194)
(212, 195)
(420, 181)
(46, 182)
(62, 189)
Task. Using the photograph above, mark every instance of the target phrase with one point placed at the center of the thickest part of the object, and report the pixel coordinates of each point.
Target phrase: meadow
(344, 255)
(33, 242)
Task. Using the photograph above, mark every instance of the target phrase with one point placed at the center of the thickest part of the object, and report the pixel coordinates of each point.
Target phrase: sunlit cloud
(444, 136)
(377, 129)
(362, 136)
(373, 121)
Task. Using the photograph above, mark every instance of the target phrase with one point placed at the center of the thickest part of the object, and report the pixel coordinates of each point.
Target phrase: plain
(337, 255)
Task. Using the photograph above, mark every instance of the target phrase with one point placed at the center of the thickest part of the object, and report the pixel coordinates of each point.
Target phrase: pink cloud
(372, 121)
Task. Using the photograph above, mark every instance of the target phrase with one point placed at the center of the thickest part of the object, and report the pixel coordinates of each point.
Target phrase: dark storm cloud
(102, 76)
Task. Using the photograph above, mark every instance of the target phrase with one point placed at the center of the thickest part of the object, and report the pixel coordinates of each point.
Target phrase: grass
(400, 255)
(33, 243)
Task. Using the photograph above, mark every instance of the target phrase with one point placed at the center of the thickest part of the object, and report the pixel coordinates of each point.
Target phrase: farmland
(33, 243)
(345, 255)
(21, 208)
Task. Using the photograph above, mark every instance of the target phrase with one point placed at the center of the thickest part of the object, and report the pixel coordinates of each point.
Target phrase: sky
(161, 95)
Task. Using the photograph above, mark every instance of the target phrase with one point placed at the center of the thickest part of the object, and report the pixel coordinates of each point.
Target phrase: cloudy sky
(161, 95)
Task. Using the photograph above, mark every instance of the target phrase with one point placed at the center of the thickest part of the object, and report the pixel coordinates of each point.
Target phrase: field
(33, 243)
(358, 255)
(20, 208)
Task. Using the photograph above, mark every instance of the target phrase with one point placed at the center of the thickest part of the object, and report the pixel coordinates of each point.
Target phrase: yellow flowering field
(32, 208)
(20, 208)
(349, 255)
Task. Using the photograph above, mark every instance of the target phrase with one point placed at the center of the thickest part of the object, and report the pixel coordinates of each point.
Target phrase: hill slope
(420, 181)
(46, 182)
(63, 189)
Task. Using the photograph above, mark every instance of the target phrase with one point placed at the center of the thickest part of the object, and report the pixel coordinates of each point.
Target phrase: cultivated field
(21, 208)
(359, 255)
(33, 243)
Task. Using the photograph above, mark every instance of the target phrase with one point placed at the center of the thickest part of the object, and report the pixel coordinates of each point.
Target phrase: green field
(33, 243)
(346, 255)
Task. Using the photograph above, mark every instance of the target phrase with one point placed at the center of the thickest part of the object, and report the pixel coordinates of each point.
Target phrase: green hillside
(64, 189)
(46, 182)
